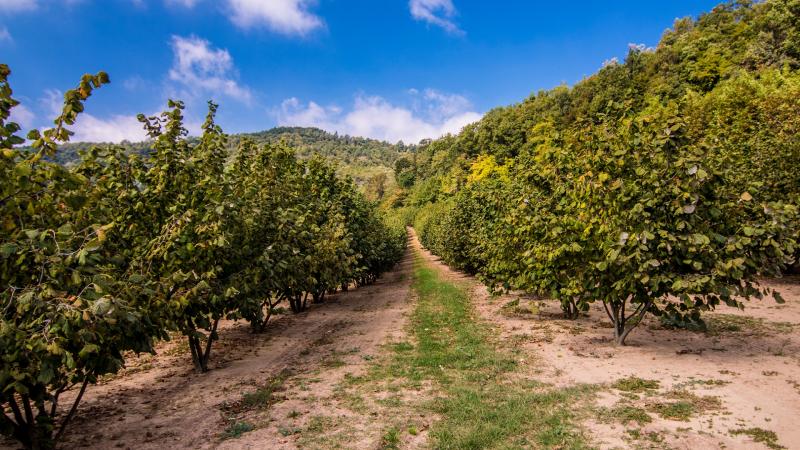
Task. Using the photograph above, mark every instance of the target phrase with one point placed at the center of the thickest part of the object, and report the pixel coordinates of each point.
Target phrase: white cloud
(435, 12)
(283, 16)
(432, 115)
(89, 128)
(117, 128)
(23, 116)
(202, 69)
(18, 5)
(5, 36)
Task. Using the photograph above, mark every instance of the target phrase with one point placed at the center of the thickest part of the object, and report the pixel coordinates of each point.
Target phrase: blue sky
(388, 69)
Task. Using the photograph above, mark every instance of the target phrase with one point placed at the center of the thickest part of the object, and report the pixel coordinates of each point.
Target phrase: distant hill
(347, 150)
(358, 157)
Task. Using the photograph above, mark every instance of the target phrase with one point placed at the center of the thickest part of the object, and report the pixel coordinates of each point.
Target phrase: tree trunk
(622, 323)
(200, 355)
(71, 411)
(570, 308)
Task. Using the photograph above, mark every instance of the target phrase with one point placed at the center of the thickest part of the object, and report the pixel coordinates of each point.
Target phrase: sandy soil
(751, 363)
(159, 402)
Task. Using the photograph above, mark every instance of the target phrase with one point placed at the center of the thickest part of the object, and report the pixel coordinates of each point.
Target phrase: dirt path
(733, 386)
(159, 402)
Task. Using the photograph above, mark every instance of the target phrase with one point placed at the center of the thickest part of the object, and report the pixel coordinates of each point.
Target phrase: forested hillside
(666, 183)
(368, 161)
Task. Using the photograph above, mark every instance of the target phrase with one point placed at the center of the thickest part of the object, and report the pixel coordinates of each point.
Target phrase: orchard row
(118, 250)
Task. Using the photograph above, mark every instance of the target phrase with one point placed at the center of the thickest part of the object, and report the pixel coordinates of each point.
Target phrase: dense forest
(663, 184)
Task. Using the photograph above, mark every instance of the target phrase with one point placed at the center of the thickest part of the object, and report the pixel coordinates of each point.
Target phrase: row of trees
(118, 250)
(666, 184)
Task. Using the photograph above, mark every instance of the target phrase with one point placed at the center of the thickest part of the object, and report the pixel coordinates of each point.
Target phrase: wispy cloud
(31, 5)
(5, 36)
(290, 17)
(184, 3)
(18, 5)
(436, 12)
(199, 68)
(432, 114)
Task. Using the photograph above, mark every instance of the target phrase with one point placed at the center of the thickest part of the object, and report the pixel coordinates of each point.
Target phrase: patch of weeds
(390, 439)
(412, 430)
(634, 433)
(576, 329)
(652, 436)
(353, 400)
(709, 382)
(237, 428)
(333, 362)
(391, 402)
(766, 437)
(718, 324)
(325, 432)
(318, 424)
(629, 395)
(687, 404)
(635, 384)
(682, 411)
(285, 432)
(516, 309)
(294, 414)
(262, 397)
(625, 414)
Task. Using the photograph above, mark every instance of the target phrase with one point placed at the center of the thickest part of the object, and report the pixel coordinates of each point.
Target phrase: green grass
(479, 403)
